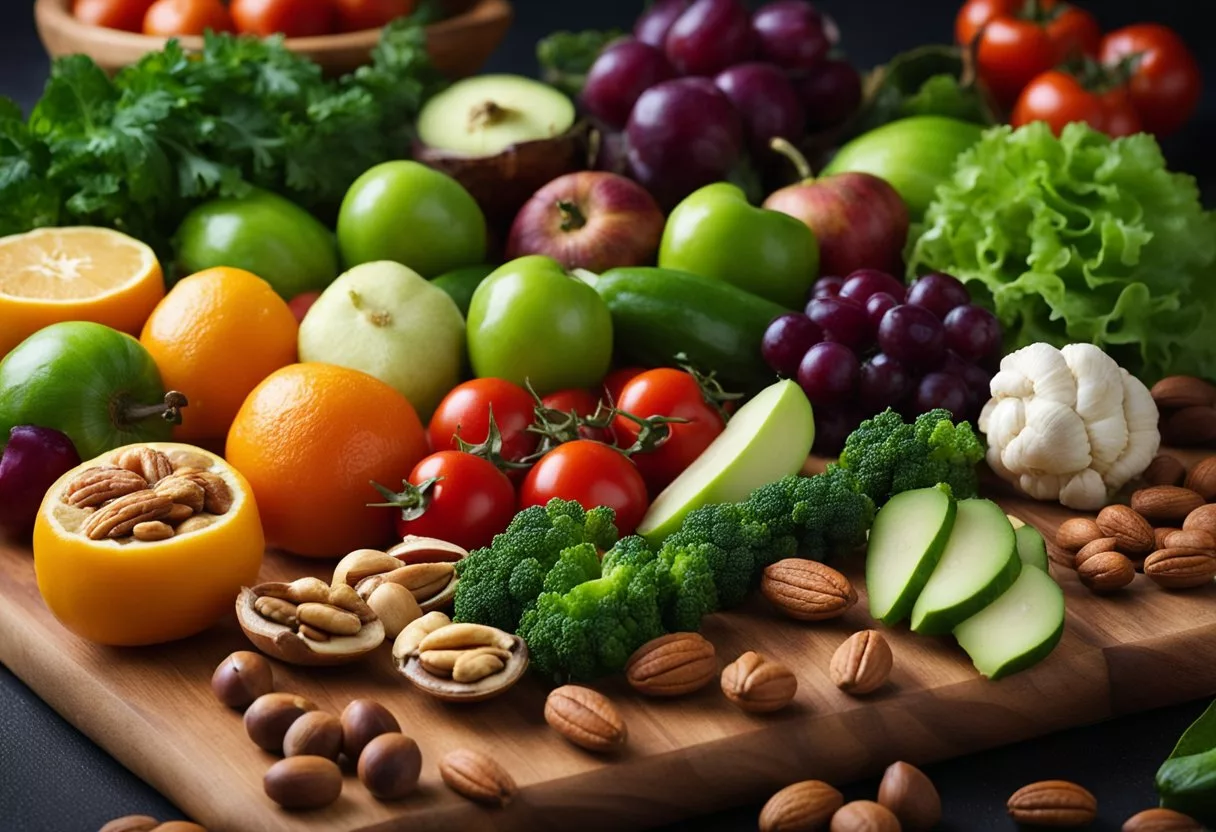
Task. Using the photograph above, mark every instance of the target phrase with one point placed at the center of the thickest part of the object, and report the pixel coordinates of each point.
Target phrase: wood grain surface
(152, 708)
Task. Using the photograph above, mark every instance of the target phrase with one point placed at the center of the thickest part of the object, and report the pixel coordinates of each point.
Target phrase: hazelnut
(131, 823)
(362, 721)
(242, 678)
(303, 782)
(390, 765)
(270, 715)
(911, 797)
(315, 734)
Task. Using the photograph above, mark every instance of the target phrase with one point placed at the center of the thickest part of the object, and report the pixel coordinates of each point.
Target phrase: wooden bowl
(459, 45)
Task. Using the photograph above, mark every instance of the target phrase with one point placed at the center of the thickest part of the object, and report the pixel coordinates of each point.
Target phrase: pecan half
(476, 776)
(586, 718)
(150, 463)
(217, 496)
(119, 518)
(96, 486)
(1053, 803)
(182, 490)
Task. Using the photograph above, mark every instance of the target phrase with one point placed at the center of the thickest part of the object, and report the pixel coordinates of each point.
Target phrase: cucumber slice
(1016, 630)
(1032, 549)
(906, 542)
(980, 562)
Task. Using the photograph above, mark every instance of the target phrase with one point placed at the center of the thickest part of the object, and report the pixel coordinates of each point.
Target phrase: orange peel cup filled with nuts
(146, 544)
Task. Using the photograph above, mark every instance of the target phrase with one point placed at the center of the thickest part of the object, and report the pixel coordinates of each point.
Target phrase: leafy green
(565, 58)
(138, 151)
(1186, 781)
(1081, 239)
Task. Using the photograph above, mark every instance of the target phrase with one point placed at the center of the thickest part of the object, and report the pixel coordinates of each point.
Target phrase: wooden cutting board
(152, 708)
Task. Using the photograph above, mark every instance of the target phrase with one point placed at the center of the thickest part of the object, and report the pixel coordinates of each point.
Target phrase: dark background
(53, 779)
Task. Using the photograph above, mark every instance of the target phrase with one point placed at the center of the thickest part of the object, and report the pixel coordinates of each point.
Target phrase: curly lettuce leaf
(1081, 239)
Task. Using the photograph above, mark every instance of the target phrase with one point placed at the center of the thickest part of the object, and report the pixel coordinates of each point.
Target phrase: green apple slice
(1032, 549)
(767, 439)
(980, 562)
(486, 114)
(906, 541)
(1018, 629)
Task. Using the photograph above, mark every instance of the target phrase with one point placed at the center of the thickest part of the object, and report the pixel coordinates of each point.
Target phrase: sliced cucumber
(906, 542)
(1016, 630)
(980, 562)
(1032, 549)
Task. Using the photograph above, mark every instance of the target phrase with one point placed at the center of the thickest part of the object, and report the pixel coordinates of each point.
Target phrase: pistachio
(316, 733)
(362, 721)
(303, 782)
(270, 715)
(484, 671)
(409, 638)
(390, 766)
(415, 549)
(241, 678)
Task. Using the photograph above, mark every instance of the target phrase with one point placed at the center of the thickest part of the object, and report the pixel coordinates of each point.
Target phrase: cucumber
(1016, 630)
(659, 313)
(906, 541)
(980, 562)
(1032, 550)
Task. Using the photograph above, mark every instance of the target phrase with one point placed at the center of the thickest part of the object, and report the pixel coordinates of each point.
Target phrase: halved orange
(75, 274)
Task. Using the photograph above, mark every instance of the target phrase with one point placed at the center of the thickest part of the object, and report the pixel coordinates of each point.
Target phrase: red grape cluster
(703, 83)
(867, 342)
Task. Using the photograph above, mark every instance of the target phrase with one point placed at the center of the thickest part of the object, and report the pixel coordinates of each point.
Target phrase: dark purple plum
(832, 427)
(914, 336)
(710, 36)
(621, 74)
(862, 283)
(827, 287)
(842, 321)
(787, 340)
(766, 100)
(830, 93)
(652, 27)
(883, 383)
(939, 293)
(828, 374)
(792, 34)
(29, 465)
(877, 306)
(973, 332)
(611, 153)
(943, 390)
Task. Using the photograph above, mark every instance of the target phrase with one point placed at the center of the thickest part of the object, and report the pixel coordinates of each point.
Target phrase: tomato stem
(794, 155)
(413, 500)
(491, 449)
(127, 414)
(712, 391)
(572, 217)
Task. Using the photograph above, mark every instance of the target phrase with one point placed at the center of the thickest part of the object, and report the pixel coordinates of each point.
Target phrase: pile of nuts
(309, 622)
(1188, 411)
(907, 801)
(148, 496)
(426, 566)
(459, 662)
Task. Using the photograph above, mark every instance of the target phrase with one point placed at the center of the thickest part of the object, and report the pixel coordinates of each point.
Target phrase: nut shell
(410, 665)
(362, 721)
(1132, 532)
(281, 642)
(315, 734)
(911, 797)
(862, 663)
(757, 684)
(271, 715)
(390, 766)
(241, 678)
(477, 777)
(1106, 572)
(807, 590)
(1161, 820)
(672, 665)
(807, 805)
(1053, 803)
(303, 782)
(864, 816)
(586, 718)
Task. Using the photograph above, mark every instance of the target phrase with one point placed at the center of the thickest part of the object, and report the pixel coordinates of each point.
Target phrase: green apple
(414, 215)
(388, 321)
(530, 321)
(716, 233)
(767, 439)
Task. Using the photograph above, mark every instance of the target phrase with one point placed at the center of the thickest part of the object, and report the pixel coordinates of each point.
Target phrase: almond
(1076, 533)
(757, 684)
(585, 717)
(1106, 572)
(672, 665)
(1053, 803)
(1161, 533)
(1190, 427)
(864, 816)
(1164, 470)
(806, 805)
(1183, 391)
(1165, 503)
(1094, 547)
(1202, 519)
(807, 590)
(1161, 820)
(477, 776)
(911, 797)
(1202, 478)
(862, 663)
(1132, 532)
(1180, 568)
(1192, 539)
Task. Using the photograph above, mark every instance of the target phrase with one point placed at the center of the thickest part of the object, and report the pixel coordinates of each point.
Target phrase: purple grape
(683, 134)
(883, 383)
(842, 321)
(832, 427)
(830, 93)
(787, 340)
(914, 336)
(939, 293)
(877, 305)
(943, 390)
(828, 373)
(652, 27)
(827, 287)
(973, 332)
(29, 464)
(621, 74)
(766, 100)
(710, 36)
(864, 282)
(612, 153)
(791, 34)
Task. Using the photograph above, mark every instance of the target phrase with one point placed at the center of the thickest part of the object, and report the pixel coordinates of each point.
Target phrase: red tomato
(1166, 82)
(584, 403)
(592, 474)
(291, 18)
(357, 15)
(127, 15)
(169, 18)
(465, 412)
(469, 502)
(975, 13)
(1058, 99)
(673, 393)
(1122, 118)
(1075, 32)
(615, 381)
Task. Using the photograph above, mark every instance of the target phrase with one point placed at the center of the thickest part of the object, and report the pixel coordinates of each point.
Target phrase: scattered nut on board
(478, 777)
(303, 782)
(757, 684)
(362, 721)
(809, 804)
(862, 663)
(241, 678)
(672, 665)
(390, 766)
(586, 718)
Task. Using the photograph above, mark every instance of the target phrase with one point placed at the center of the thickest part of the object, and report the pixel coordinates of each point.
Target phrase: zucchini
(660, 313)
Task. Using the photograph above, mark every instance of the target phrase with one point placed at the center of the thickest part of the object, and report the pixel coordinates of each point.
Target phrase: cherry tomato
(975, 13)
(673, 393)
(1075, 32)
(469, 502)
(584, 403)
(127, 15)
(592, 474)
(615, 381)
(169, 18)
(1059, 98)
(291, 18)
(358, 15)
(1122, 118)
(465, 412)
(1166, 83)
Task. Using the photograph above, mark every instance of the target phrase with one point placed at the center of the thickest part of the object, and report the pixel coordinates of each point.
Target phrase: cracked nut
(1053, 803)
(389, 766)
(478, 777)
(459, 662)
(303, 782)
(362, 721)
(808, 805)
(314, 734)
(1181, 568)
(862, 663)
(864, 816)
(241, 678)
(807, 590)
(270, 715)
(672, 665)
(586, 718)
(757, 684)
(423, 565)
(288, 622)
(911, 797)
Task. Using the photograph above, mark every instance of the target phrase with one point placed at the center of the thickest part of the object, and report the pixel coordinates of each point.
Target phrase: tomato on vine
(616, 380)
(1164, 80)
(1058, 98)
(592, 474)
(464, 414)
(127, 15)
(584, 404)
(291, 18)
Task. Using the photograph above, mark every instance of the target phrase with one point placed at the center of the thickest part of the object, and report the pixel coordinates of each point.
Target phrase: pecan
(182, 490)
(862, 663)
(1053, 803)
(217, 496)
(152, 531)
(150, 463)
(476, 776)
(1180, 568)
(120, 517)
(586, 718)
(95, 486)
(807, 590)
(757, 684)
(672, 665)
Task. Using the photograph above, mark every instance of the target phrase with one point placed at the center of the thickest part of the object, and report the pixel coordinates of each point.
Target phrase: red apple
(301, 303)
(591, 220)
(860, 221)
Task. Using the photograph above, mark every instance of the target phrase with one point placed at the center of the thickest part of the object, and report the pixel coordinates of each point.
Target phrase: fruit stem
(413, 500)
(572, 217)
(801, 165)
(377, 317)
(170, 410)
(486, 114)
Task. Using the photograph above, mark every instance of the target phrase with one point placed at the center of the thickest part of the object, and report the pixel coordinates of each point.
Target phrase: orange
(130, 592)
(311, 438)
(214, 337)
(75, 274)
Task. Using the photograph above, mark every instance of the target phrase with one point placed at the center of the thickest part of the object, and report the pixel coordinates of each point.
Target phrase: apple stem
(170, 410)
(572, 217)
(486, 114)
(795, 156)
(377, 317)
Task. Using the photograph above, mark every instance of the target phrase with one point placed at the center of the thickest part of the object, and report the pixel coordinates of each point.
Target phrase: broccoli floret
(729, 540)
(831, 512)
(688, 591)
(632, 550)
(498, 582)
(574, 566)
(888, 456)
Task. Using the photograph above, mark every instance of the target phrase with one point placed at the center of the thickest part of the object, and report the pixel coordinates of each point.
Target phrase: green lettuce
(1080, 239)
